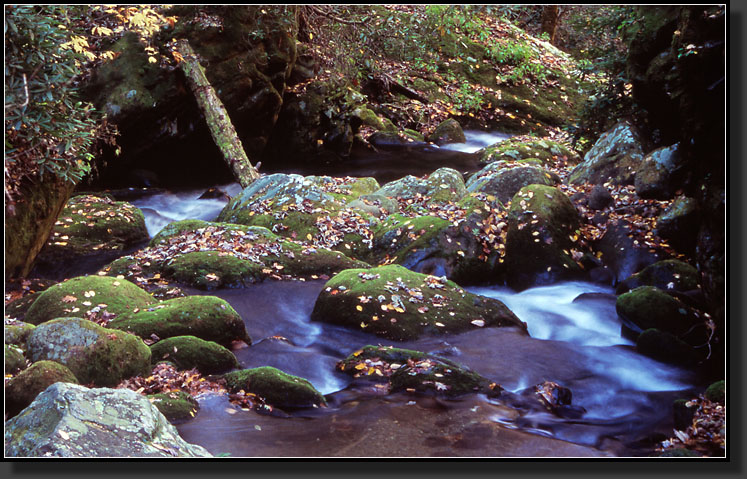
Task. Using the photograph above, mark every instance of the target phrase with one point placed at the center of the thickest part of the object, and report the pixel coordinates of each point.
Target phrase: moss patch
(176, 406)
(275, 387)
(396, 303)
(188, 352)
(21, 390)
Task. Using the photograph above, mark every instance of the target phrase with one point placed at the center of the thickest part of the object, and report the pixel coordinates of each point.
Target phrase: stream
(574, 341)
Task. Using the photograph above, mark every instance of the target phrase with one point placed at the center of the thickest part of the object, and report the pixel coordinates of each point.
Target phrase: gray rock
(615, 157)
(656, 176)
(600, 198)
(504, 182)
(67, 420)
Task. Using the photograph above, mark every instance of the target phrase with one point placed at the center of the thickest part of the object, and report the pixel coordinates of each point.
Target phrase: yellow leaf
(360, 366)
(359, 307)
(152, 60)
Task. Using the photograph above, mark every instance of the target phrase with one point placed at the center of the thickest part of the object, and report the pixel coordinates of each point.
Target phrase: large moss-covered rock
(541, 240)
(91, 229)
(68, 420)
(441, 186)
(95, 354)
(21, 390)
(615, 157)
(276, 387)
(648, 307)
(398, 304)
(187, 352)
(176, 406)
(408, 370)
(16, 333)
(14, 359)
(670, 274)
(224, 255)
(716, 392)
(503, 180)
(667, 347)
(206, 317)
(523, 149)
(77, 296)
(448, 131)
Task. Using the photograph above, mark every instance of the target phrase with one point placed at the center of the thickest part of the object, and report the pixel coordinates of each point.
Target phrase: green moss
(649, 307)
(93, 353)
(21, 390)
(666, 347)
(179, 228)
(716, 392)
(176, 406)
(518, 149)
(206, 317)
(431, 376)
(17, 333)
(396, 303)
(69, 298)
(275, 387)
(187, 352)
(14, 359)
(667, 274)
(224, 270)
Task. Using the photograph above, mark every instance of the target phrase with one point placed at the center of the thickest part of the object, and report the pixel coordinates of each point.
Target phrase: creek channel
(574, 340)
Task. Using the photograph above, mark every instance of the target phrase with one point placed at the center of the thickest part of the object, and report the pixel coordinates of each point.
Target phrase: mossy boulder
(448, 131)
(206, 317)
(649, 307)
(90, 225)
(716, 392)
(230, 256)
(77, 296)
(615, 157)
(441, 186)
(520, 149)
(95, 354)
(72, 421)
(17, 308)
(413, 371)
(669, 274)
(21, 390)
(656, 177)
(187, 352)
(176, 406)
(396, 303)
(542, 237)
(14, 359)
(17, 332)
(503, 181)
(276, 387)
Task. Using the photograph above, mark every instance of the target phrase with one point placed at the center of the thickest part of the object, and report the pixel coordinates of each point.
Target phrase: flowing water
(574, 341)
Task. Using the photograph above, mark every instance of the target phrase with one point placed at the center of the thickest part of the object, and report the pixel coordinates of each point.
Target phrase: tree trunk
(550, 17)
(216, 116)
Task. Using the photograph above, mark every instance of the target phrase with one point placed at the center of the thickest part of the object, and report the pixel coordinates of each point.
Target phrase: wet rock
(656, 178)
(399, 304)
(615, 157)
(66, 420)
(542, 225)
(83, 295)
(666, 347)
(536, 152)
(679, 224)
(670, 275)
(98, 355)
(276, 387)
(206, 317)
(89, 232)
(21, 390)
(620, 254)
(600, 198)
(188, 352)
(176, 406)
(503, 181)
(215, 193)
(648, 307)
(441, 186)
(448, 131)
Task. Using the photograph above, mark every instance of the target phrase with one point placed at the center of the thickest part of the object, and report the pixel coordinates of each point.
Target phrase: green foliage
(48, 130)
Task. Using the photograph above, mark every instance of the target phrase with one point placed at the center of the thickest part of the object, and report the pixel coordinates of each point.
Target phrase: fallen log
(216, 116)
